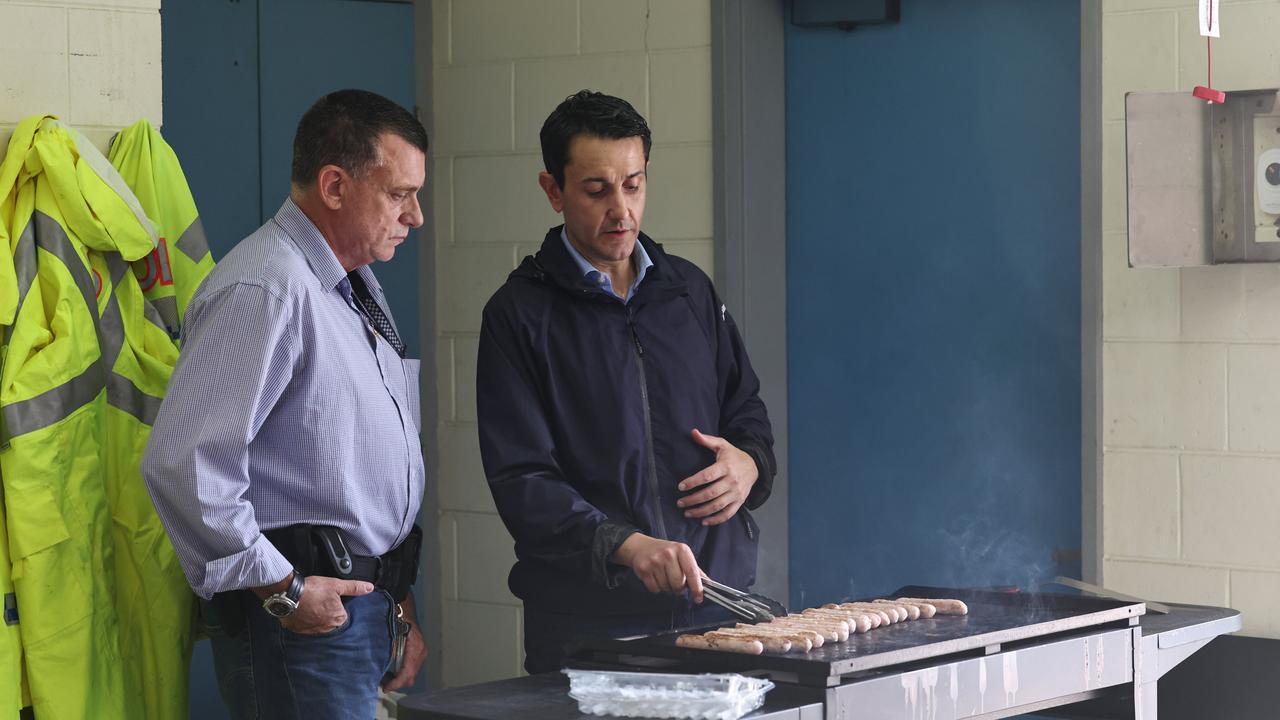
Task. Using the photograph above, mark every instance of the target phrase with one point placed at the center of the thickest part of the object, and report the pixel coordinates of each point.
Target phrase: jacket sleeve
(548, 518)
(743, 418)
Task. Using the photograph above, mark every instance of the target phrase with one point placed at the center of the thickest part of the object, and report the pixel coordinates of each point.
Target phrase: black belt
(320, 550)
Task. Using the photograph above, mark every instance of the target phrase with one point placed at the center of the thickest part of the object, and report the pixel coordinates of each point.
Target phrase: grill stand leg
(1144, 702)
(1144, 689)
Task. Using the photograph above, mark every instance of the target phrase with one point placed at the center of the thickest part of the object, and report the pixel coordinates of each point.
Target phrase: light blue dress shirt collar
(641, 258)
(324, 263)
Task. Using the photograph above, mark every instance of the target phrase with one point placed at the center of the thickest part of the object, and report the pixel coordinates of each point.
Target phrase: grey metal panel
(749, 145)
(1091, 515)
(1161, 651)
(1193, 193)
(1234, 144)
(1206, 623)
(1172, 657)
(430, 585)
(1051, 673)
(1167, 161)
(812, 712)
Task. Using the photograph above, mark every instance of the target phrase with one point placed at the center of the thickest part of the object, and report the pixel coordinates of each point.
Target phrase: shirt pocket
(412, 389)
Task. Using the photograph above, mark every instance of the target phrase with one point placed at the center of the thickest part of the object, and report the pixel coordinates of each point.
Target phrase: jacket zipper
(648, 427)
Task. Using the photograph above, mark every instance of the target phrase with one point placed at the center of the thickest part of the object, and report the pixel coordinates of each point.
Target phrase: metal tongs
(736, 601)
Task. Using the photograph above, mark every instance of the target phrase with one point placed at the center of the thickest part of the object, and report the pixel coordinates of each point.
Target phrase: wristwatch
(283, 603)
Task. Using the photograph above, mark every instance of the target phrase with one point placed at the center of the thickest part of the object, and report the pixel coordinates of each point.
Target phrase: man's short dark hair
(342, 128)
(587, 112)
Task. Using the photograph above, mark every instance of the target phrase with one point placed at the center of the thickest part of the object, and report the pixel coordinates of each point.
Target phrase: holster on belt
(320, 550)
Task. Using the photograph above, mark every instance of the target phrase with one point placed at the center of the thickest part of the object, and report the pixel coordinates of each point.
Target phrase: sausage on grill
(945, 607)
(738, 645)
(925, 609)
(772, 643)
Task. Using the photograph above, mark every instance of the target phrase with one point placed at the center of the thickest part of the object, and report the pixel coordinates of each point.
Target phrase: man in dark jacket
(620, 423)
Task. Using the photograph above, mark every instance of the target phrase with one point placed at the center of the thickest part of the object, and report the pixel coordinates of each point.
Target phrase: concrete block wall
(500, 66)
(1191, 357)
(93, 63)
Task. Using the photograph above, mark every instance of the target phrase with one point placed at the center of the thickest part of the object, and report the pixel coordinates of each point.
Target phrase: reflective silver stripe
(51, 238)
(122, 394)
(98, 163)
(24, 261)
(55, 404)
(163, 313)
(111, 327)
(193, 242)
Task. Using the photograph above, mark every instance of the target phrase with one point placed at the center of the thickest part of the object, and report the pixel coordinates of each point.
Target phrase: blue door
(238, 76)
(933, 275)
(312, 47)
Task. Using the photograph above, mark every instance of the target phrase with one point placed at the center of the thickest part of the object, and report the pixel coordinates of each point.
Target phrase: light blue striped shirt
(285, 407)
(642, 260)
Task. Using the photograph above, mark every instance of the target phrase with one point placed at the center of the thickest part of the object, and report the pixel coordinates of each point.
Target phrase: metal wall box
(1203, 180)
(844, 14)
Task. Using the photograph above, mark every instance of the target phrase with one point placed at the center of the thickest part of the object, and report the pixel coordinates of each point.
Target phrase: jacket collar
(553, 262)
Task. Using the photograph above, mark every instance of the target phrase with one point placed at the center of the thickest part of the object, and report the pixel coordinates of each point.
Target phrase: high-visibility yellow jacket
(157, 624)
(65, 214)
(171, 273)
(14, 694)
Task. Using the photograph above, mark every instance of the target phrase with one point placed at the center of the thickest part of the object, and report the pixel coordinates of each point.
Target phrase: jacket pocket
(40, 526)
(744, 551)
(50, 566)
(753, 530)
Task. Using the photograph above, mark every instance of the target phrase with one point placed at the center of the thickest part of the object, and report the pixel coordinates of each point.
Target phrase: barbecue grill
(1014, 653)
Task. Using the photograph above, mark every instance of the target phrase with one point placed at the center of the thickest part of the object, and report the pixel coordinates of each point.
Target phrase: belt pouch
(230, 611)
(402, 563)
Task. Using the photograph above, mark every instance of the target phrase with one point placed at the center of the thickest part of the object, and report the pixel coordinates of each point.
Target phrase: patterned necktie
(373, 311)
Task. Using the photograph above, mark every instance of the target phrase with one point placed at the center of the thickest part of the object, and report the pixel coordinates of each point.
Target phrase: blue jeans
(549, 637)
(266, 671)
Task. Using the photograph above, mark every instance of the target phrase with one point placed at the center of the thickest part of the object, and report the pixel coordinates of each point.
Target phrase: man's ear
(331, 186)
(554, 194)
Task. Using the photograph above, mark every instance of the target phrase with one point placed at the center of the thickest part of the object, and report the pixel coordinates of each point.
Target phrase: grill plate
(995, 618)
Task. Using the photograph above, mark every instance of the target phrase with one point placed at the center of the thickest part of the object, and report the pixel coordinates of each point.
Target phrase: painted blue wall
(237, 77)
(933, 275)
(313, 47)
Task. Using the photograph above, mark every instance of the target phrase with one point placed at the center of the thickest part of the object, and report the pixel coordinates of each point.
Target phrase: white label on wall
(1209, 17)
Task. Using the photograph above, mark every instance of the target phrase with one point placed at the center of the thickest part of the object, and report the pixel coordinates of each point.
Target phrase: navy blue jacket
(586, 405)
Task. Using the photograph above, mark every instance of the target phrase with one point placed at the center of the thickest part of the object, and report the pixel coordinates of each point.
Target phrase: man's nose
(413, 216)
(617, 206)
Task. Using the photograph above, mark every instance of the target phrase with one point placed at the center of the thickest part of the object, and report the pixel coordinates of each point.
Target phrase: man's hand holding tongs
(662, 565)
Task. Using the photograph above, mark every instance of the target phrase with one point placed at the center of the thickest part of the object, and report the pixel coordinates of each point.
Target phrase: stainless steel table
(1101, 672)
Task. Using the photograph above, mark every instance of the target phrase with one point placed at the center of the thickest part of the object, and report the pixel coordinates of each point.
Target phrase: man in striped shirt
(285, 462)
